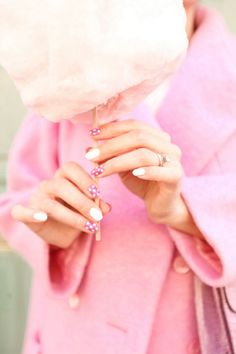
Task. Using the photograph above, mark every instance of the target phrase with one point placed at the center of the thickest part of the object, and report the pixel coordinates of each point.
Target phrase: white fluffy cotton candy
(68, 56)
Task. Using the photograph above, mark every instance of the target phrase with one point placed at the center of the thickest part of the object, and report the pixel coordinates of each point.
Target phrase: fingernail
(91, 226)
(95, 131)
(138, 172)
(40, 216)
(94, 191)
(96, 214)
(92, 153)
(97, 171)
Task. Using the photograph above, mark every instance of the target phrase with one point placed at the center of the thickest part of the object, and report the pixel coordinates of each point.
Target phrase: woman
(171, 192)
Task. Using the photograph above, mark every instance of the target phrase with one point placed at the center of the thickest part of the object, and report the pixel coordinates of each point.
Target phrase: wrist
(182, 220)
(179, 214)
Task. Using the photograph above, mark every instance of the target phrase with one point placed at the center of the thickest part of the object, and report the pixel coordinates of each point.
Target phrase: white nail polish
(40, 216)
(96, 214)
(92, 153)
(139, 172)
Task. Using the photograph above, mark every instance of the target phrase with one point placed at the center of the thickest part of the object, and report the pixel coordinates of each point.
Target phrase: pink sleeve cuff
(212, 203)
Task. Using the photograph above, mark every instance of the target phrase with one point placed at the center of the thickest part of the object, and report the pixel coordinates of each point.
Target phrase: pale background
(15, 275)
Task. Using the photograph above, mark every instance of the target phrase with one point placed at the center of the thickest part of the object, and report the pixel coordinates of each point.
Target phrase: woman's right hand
(63, 207)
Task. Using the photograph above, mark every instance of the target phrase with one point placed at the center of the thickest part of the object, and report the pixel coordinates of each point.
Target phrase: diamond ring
(163, 158)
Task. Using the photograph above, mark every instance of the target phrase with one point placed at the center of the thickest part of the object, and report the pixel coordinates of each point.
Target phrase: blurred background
(15, 275)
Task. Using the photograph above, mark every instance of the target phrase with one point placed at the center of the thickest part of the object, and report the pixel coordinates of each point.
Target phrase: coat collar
(199, 110)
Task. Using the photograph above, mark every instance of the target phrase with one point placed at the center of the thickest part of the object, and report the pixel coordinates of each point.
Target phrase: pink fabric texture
(67, 57)
(135, 290)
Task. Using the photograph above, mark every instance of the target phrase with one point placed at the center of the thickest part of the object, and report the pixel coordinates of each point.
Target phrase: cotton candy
(67, 57)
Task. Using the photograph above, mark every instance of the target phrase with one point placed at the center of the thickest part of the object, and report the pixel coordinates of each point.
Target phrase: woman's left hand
(130, 148)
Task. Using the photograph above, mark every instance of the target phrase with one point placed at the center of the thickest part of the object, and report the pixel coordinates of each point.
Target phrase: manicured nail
(97, 171)
(94, 191)
(95, 131)
(96, 214)
(92, 153)
(40, 216)
(91, 226)
(138, 172)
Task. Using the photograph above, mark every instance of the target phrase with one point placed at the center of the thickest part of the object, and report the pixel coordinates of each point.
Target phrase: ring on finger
(163, 158)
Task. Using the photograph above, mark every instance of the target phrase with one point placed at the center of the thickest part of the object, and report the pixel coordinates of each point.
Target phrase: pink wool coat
(132, 293)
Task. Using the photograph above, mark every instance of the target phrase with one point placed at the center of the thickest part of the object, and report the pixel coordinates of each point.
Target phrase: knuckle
(66, 243)
(48, 205)
(140, 136)
(69, 239)
(43, 185)
(167, 137)
(143, 156)
(34, 200)
(177, 150)
(69, 167)
(63, 243)
(56, 185)
(58, 173)
(179, 173)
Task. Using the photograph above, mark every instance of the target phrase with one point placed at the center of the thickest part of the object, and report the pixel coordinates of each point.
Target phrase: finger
(80, 178)
(58, 212)
(116, 128)
(128, 142)
(34, 203)
(128, 161)
(104, 206)
(66, 191)
(169, 174)
(28, 215)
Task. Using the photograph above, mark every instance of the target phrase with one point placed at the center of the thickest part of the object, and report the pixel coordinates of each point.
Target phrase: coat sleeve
(211, 199)
(32, 158)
